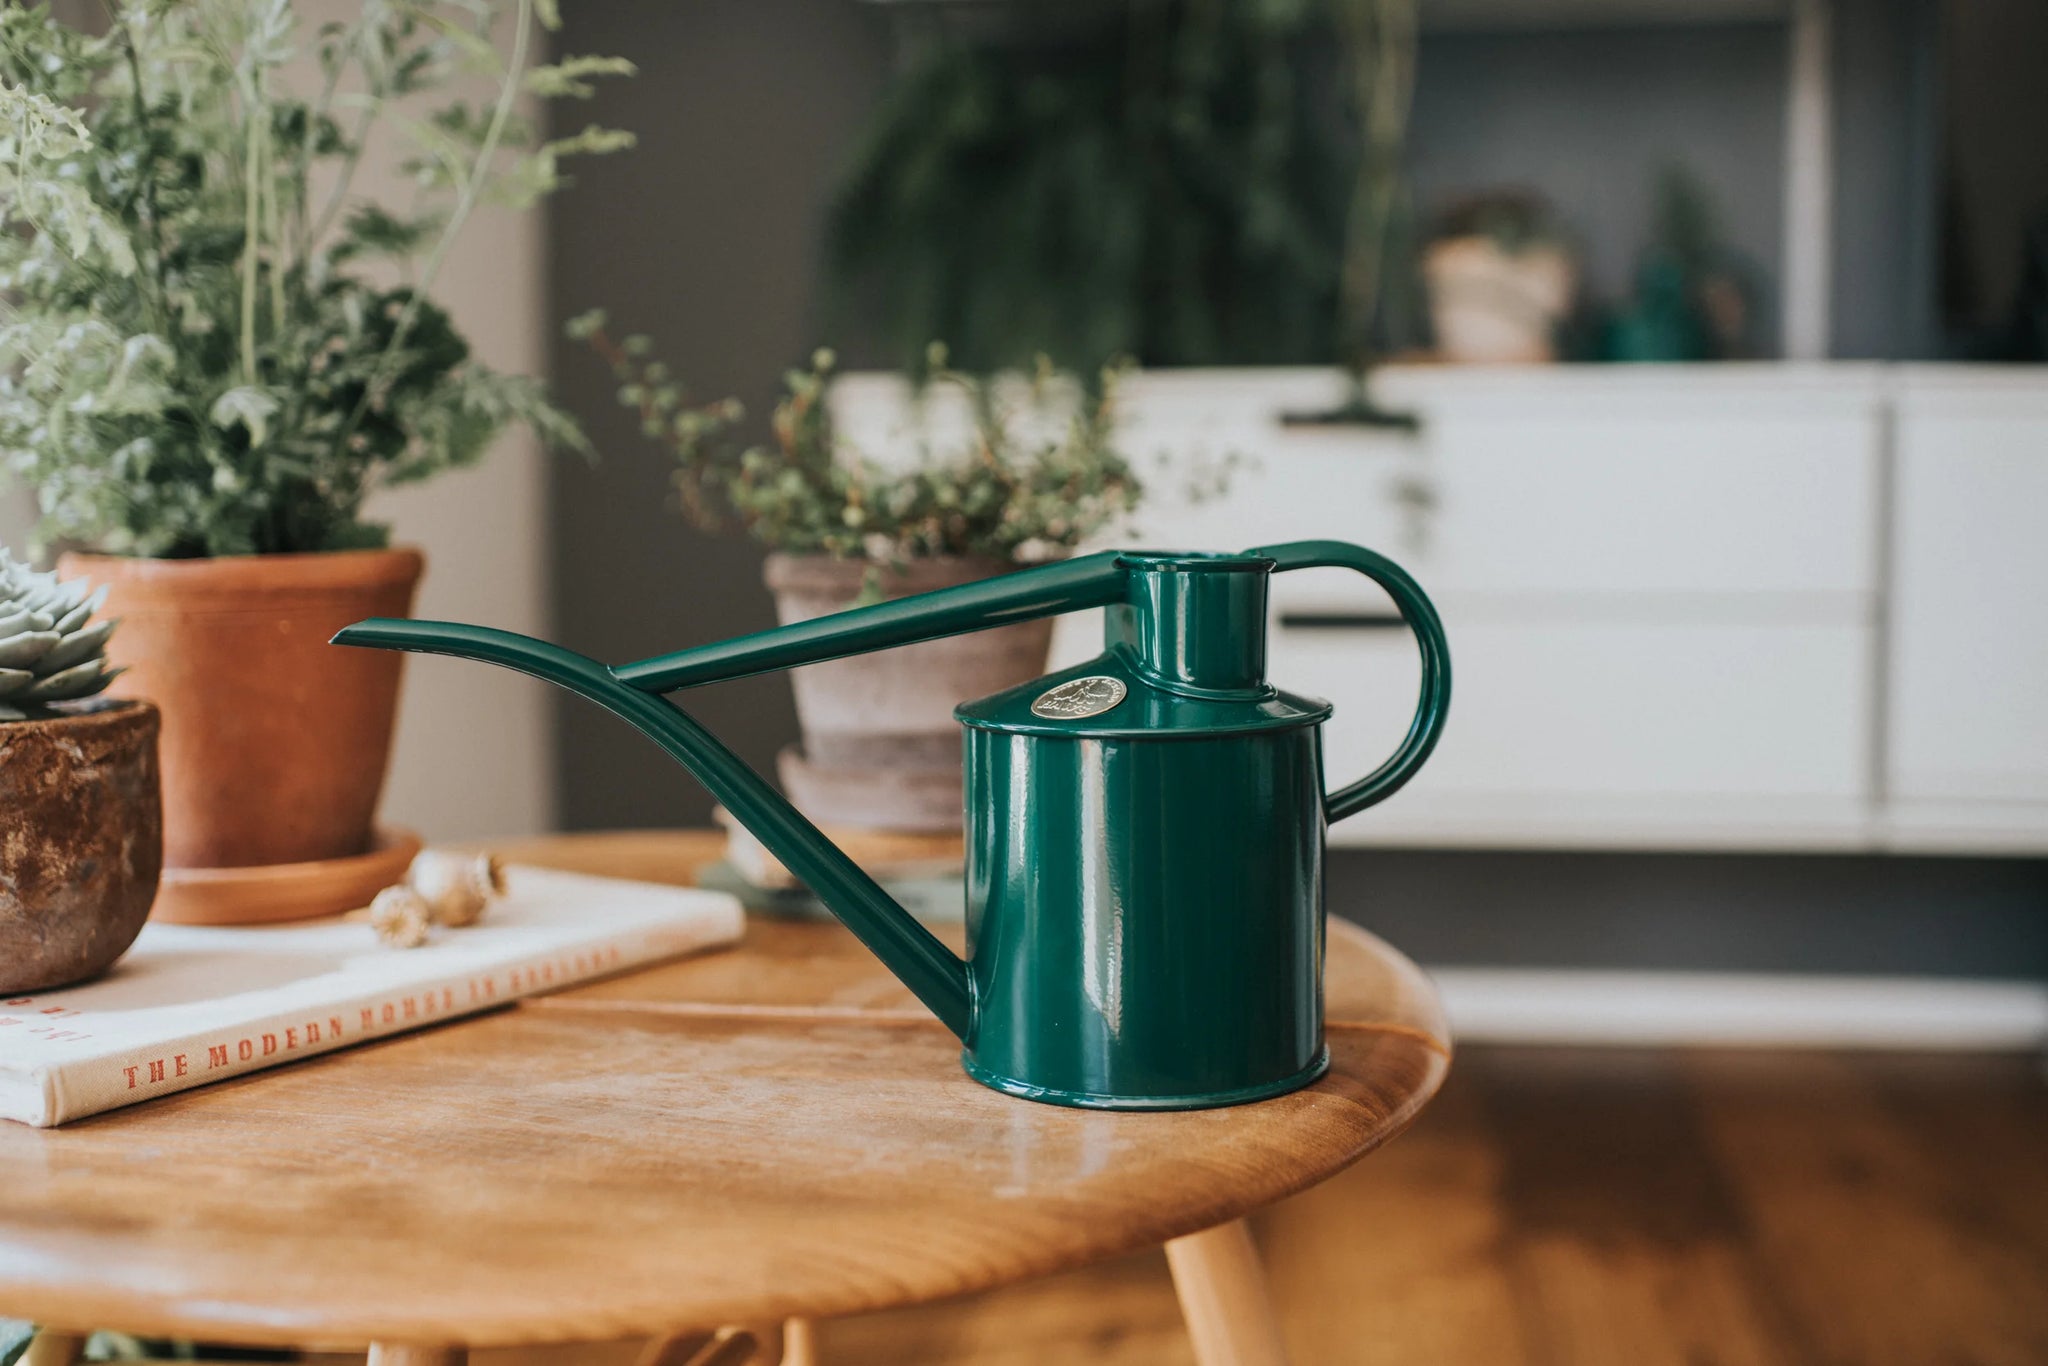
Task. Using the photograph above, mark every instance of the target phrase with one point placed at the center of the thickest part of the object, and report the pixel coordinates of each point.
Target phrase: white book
(193, 1004)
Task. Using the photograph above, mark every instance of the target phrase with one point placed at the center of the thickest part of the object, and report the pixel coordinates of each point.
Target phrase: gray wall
(1887, 180)
(707, 237)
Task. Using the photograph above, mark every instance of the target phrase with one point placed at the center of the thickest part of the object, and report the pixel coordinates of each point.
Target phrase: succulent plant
(51, 648)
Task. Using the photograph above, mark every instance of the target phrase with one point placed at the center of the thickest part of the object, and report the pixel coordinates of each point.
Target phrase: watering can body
(1145, 916)
(1144, 831)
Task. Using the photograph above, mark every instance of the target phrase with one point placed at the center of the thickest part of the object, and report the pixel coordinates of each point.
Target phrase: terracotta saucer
(284, 891)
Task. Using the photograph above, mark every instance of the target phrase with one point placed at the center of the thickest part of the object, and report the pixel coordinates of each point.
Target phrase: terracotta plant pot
(274, 743)
(881, 749)
(83, 845)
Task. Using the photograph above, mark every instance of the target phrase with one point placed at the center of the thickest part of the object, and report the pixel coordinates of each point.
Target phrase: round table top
(767, 1131)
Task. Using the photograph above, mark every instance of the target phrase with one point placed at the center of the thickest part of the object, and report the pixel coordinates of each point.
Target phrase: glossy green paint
(1196, 624)
(1145, 900)
(1145, 915)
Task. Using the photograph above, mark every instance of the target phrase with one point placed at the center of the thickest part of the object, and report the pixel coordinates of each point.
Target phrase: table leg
(1223, 1297)
(49, 1348)
(799, 1343)
(402, 1354)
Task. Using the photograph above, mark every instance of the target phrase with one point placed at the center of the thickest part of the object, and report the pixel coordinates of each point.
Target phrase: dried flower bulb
(400, 917)
(457, 887)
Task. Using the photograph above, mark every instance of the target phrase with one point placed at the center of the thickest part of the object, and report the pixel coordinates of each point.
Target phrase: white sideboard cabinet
(1736, 607)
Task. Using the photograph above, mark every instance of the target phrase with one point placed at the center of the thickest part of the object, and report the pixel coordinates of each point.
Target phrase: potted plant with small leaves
(1029, 469)
(78, 788)
(214, 352)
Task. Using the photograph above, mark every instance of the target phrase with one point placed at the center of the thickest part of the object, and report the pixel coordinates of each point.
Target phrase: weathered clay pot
(881, 749)
(274, 742)
(81, 842)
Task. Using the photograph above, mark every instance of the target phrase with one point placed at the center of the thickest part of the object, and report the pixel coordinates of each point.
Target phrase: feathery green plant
(1159, 181)
(1004, 495)
(51, 647)
(1183, 182)
(209, 344)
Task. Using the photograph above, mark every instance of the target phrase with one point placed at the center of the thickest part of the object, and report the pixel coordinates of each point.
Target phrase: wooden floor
(1588, 1208)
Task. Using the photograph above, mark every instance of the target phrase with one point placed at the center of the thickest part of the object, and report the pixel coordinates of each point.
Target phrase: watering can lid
(1108, 697)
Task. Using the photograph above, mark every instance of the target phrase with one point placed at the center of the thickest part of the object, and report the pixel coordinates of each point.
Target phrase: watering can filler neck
(1185, 655)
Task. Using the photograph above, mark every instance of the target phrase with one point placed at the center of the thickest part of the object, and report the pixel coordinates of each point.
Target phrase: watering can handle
(1420, 614)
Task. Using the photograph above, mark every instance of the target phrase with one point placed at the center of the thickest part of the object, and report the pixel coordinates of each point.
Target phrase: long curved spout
(1047, 590)
(913, 953)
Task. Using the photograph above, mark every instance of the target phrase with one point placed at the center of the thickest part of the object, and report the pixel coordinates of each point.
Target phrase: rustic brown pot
(81, 842)
(881, 749)
(274, 742)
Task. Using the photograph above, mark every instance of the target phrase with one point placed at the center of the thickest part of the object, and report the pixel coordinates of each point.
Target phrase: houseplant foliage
(79, 789)
(1013, 490)
(210, 345)
(214, 348)
(1184, 183)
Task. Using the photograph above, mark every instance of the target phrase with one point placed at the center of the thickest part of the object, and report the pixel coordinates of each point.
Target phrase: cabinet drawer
(1601, 735)
(1710, 491)
(1969, 643)
(1653, 726)
(1583, 482)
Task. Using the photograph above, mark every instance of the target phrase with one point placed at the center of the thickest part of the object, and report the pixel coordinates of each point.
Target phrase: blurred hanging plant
(1188, 182)
(1006, 494)
(193, 360)
(1378, 291)
(1169, 183)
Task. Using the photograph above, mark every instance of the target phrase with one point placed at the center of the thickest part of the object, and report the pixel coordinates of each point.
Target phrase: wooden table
(746, 1138)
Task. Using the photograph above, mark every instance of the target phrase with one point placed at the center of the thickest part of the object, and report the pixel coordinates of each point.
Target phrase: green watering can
(1144, 831)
